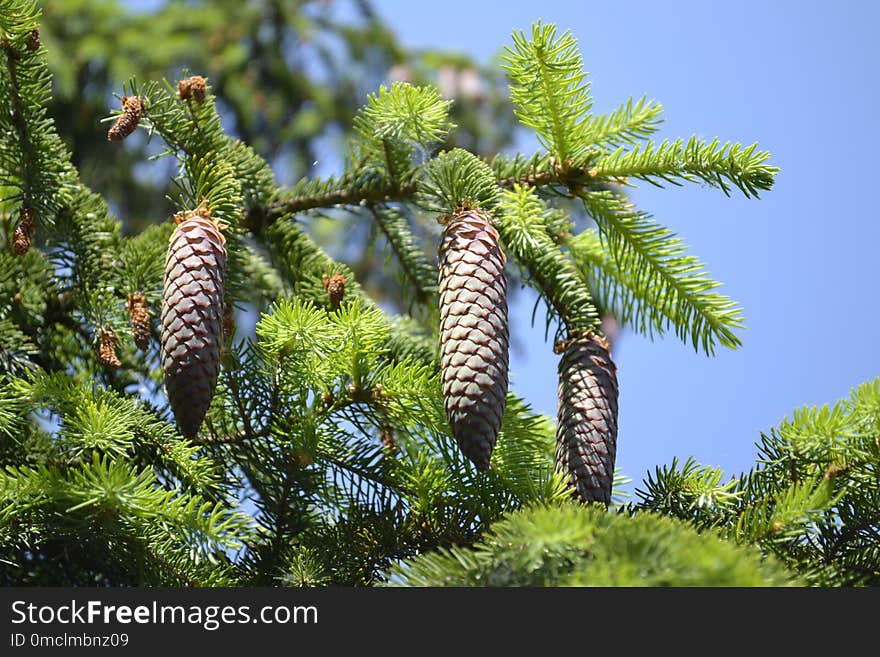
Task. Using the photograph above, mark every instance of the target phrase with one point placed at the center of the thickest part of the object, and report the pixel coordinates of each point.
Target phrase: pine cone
(192, 87)
(586, 433)
(136, 305)
(192, 317)
(335, 287)
(474, 333)
(24, 232)
(107, 349)
(132, 110)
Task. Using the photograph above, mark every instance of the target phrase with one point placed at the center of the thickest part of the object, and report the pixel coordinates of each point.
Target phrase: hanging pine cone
(474, 333)
(136, 305)
(192, 316)
(24, 232)
(132, 110)
(107, 349)
(586, 432)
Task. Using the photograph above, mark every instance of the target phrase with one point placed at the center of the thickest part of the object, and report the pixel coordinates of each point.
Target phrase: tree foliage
(811, 501)
(581, 546)
(326, 456)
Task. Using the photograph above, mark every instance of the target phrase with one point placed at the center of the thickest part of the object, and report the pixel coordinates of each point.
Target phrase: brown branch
(534, 179)
(573, 178)
(231, 439)
(354, 196)
(279, 541)
(236, 395)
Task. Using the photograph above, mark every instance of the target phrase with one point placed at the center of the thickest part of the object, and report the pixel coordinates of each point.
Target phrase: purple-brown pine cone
(474, 333)
(192, 317)
(586, 432)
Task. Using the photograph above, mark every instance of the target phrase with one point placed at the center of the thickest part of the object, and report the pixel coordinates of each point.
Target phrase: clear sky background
(800, 78)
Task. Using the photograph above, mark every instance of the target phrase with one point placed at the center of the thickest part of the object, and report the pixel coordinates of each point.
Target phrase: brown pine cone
(192, 317)
(586, 432)
(136, 305)
(335, 287)
(474, 334)
(107, 349)
(194, 87)
(33, 40)
(132, 110)
(24, 232)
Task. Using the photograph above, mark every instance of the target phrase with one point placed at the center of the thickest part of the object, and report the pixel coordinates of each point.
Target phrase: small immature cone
(386, 435)
(24, 232)
(335, 286)
(132, 110)
(33, 40)
(586, 432)
(136, 305)
(192, 87)
(192, 317)
(474, 334)
(107, 349)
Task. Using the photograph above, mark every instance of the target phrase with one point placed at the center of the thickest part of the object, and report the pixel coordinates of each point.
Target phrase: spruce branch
(367, 473)
(91, 418)
(17, 108)
(130, 505)
(457, 179)
(718, 165)
(549, 91)
(35, 161)
(16, 349)
(670, 286)
(332, 196)
(628, 124)
(865, 529)
(810, 501)
(523, 230)
(304, 264)
(691, 492)
(363, 188)
(419, 274)
(397, 124)
(568, 545)
(193, 129)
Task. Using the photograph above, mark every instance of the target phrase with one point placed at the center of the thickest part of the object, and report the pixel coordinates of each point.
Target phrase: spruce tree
(340, 443)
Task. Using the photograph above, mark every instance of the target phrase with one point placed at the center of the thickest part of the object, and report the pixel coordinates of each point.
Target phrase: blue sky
(800, 79)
